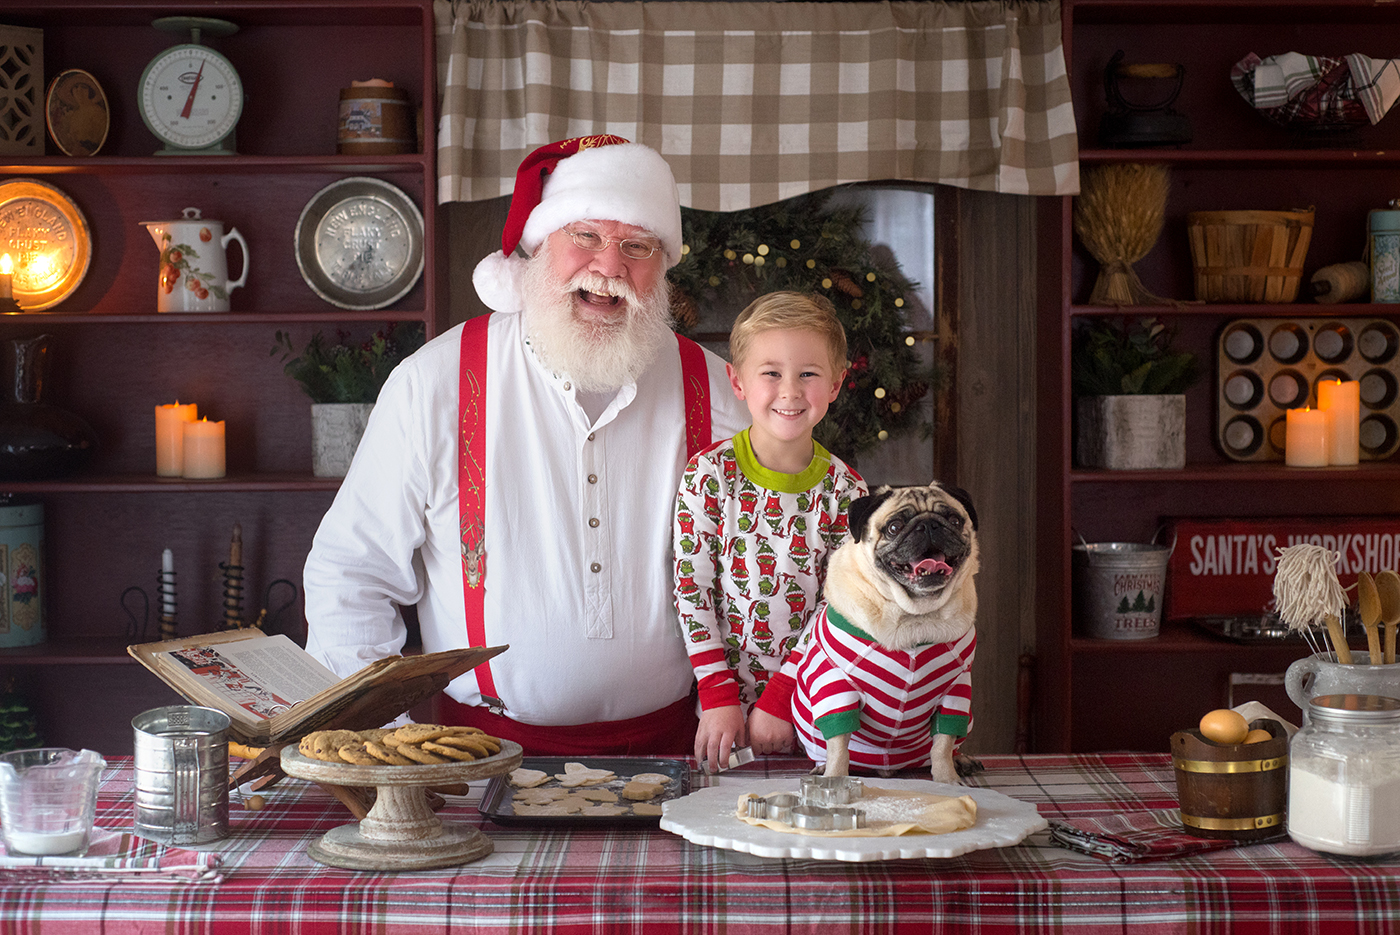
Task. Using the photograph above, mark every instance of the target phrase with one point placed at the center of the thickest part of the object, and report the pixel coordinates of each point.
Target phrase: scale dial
(191, 98)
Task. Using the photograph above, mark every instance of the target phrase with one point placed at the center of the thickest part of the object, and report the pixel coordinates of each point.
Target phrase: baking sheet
(496, 800)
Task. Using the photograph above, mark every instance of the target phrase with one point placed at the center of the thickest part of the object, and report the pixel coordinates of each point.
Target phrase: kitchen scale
(190, 96)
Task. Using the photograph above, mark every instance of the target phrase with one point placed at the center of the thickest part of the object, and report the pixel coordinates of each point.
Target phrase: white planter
(1124, 433)
(335, 434)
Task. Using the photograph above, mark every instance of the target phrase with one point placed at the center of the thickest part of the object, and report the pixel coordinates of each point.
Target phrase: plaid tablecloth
(556, 881)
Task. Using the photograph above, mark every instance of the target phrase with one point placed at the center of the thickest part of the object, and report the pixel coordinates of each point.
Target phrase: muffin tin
(1266, 366)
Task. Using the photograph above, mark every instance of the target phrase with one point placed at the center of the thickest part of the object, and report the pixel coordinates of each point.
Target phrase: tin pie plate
(706, 816)
(47, 239)
(359, 243)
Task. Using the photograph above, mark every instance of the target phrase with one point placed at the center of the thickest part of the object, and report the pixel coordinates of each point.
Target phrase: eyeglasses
(594, 242)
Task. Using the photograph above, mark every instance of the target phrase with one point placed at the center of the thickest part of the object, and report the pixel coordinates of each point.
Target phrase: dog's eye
(894, 526)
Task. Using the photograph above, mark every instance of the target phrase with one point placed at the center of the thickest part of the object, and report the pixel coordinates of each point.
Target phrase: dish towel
(117, 857)
(1316, 89)
(1154, 834)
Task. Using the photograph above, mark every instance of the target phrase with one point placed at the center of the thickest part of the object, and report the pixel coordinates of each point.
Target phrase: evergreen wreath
(804, 245)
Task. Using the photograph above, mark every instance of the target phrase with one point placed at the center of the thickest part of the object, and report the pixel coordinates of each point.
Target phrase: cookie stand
(401, 832)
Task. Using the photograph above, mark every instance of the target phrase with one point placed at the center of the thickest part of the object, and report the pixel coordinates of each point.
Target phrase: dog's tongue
(933, 566)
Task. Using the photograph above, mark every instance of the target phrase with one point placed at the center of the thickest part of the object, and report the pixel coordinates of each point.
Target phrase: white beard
(597, 354)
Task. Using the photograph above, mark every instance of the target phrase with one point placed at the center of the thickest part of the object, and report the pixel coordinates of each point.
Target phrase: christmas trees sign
(805, 245)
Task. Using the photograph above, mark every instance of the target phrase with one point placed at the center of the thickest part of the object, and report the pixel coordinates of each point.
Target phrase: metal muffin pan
(1266, 366)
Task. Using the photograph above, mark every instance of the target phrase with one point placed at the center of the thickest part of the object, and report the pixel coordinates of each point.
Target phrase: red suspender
(471, 490)
(695, 382)
(471, 468)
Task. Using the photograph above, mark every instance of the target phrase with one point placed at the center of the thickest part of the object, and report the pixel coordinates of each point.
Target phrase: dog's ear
(858, 516)
(965, 498)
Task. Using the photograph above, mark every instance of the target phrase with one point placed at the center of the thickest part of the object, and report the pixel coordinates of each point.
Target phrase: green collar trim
(841, 623)
(776, 480)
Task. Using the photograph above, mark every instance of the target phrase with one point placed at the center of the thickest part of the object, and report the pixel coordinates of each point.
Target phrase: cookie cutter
(822, 818)
(831, 790)
(776, 806)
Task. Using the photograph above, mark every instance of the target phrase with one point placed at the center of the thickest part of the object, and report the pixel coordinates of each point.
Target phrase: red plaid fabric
(554, 880)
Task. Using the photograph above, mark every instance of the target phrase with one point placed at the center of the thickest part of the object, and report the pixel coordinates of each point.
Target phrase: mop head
(1306, 589)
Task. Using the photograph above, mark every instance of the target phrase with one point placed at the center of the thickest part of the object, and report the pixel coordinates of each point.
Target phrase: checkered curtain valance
(752, 103)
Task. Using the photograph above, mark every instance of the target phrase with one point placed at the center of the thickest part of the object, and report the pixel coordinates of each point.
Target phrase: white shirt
(585, 645)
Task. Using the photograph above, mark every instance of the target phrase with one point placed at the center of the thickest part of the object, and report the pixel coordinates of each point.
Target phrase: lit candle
(1305, 439)
(204, 449)
(170, 437)
(1341, 400)
(167, 583)
(7, 277)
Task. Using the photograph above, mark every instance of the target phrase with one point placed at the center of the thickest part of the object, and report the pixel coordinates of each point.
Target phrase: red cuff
(718, 692)
(777, 696)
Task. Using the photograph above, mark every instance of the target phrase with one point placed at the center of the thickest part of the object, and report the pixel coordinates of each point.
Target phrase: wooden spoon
(1388, 587)
(1368, 601)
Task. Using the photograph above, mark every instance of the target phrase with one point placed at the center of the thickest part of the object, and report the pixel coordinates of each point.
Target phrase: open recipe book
(274, 691)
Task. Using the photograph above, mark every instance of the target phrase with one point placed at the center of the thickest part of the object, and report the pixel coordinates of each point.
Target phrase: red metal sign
(1226, 566)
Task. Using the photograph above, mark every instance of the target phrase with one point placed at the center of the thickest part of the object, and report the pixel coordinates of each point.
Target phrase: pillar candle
(170, 437)
(204, 449)
(1305, 439)
(7, 277)
(1341, 400)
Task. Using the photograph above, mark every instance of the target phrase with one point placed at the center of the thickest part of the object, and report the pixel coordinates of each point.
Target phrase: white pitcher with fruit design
(194, 263)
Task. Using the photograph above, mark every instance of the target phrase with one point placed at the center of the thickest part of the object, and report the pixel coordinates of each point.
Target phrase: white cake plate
(706, 816)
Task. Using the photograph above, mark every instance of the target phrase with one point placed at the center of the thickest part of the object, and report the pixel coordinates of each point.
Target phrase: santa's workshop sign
(1226, 566)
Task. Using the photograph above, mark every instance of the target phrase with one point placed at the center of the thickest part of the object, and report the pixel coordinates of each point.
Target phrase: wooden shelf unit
(114, 358)
(1105, 694)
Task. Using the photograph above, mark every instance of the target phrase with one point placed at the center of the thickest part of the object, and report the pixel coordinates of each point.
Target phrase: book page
(262, 676)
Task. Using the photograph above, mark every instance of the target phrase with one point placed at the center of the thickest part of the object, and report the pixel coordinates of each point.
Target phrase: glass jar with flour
(1344, 776)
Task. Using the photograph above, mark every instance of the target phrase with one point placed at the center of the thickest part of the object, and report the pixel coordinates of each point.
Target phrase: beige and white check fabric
(752, 103)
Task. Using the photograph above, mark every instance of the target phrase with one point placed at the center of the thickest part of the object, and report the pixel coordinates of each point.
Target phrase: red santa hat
(602, 178)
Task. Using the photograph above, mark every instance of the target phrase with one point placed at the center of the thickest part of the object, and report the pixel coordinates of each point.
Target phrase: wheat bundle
(1118, 215)
(1307, 593)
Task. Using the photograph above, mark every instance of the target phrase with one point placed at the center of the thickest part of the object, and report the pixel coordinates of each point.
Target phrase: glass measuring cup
(48, 796)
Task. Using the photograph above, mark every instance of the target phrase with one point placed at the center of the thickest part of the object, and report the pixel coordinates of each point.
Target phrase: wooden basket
(1235, 791)
(1249, 256)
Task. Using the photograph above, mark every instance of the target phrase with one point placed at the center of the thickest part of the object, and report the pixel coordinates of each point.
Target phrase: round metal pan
(359, 243)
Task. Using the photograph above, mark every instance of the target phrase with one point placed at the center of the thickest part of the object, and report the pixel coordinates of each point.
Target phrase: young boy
(756, 517)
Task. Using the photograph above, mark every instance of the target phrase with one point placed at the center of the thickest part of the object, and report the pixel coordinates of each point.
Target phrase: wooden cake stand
(400, 832)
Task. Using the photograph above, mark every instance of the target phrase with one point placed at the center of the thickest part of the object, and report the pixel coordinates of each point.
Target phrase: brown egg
(254, 803)
(1258, 735)
(1224, 726)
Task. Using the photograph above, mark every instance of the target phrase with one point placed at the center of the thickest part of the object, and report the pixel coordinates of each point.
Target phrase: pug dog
(885, 681)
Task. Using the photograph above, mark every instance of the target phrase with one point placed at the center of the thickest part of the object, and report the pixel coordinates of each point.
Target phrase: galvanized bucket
(1118, 588)
(181, 774)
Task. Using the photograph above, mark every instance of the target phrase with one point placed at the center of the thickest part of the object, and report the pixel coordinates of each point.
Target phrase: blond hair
(789, 310)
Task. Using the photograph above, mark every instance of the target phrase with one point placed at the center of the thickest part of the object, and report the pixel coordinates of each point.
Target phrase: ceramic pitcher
(1312, 676)
(194, 264)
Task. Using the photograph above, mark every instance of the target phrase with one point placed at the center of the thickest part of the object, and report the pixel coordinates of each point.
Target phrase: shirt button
(590, 435)
(593, 522)
(593, 478)
(568, 386)
(595, 567)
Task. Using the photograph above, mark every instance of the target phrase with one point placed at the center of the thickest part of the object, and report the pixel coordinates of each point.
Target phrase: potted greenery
(1129, 384)
(343, 381)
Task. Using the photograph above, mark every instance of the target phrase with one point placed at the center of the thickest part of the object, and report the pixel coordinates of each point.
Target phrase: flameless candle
(204, 449)
(170, 437)
(1341, 400)
(1305, 440)
(7, 277)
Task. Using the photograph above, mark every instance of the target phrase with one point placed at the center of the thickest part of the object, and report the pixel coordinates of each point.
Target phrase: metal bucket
(1118, 589)
(181, 774)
